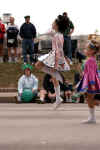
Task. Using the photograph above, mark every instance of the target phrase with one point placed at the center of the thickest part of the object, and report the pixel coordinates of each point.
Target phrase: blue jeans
(67, 47)
(28, 46)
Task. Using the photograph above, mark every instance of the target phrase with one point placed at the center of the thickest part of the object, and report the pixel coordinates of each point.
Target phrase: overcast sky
(85, 14)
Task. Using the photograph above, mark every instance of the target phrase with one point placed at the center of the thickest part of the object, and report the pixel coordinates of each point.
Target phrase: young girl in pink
(55, 62)
(90, 82)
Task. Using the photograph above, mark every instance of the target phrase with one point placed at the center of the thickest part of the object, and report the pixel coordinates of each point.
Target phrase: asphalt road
(38, 127)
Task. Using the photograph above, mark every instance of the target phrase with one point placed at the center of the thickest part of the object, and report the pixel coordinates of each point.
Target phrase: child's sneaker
(57, 103)
(89, 121)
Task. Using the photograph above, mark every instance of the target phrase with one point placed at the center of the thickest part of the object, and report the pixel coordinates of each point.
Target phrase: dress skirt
(86, 86)
(49, 60)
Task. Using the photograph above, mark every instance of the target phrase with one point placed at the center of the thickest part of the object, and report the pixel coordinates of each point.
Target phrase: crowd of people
(26, 33)
(58, 60)
(46, 94)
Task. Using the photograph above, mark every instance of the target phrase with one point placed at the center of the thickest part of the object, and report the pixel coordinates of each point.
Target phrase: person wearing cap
(28, 33)
(27, 85)
(2, 32)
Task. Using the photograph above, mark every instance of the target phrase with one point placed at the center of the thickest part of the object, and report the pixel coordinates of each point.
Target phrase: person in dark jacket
(47, 94)
(28, 33)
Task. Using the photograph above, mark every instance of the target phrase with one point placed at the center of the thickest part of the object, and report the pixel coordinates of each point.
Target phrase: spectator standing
(28, 33)
(2, 32)
(67, 36)
(12, 41)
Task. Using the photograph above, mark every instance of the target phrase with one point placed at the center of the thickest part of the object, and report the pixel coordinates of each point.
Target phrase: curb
(4, 90)
(7, 100)
(8, 97)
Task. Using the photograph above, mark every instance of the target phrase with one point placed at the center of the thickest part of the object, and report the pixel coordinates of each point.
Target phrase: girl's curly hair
(62, 23)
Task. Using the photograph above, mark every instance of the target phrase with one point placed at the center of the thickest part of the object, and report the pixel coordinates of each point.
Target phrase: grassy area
(10, 73)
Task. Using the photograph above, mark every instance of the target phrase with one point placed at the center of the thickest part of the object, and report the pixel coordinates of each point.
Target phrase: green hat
(27, 66)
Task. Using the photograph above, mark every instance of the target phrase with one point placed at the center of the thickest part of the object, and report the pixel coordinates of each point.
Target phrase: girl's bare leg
(46, 69)
(39, 65)
(96, 102)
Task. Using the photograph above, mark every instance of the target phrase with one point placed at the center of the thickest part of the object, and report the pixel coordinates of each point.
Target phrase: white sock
(92, 114)
(1, 59)
(41, 99)
(16, 59)
(10, 59)
(54, 74)
(19, 98)
(57, 91)
(66, 99)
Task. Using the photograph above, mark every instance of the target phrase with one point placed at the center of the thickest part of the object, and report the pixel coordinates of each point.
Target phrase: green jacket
(67, 31)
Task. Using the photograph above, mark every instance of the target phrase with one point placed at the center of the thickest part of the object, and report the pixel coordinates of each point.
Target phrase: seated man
(47, 94)
(27, 85)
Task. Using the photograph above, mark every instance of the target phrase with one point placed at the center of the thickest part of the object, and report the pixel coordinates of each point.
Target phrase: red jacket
(2, 30)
